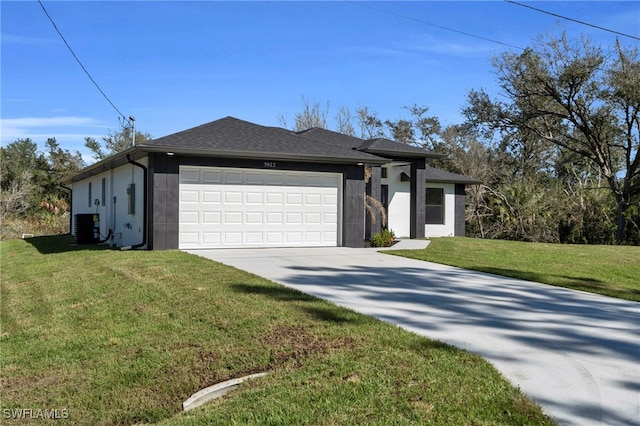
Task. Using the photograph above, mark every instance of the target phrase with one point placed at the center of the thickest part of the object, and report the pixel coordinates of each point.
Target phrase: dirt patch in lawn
(293, 343)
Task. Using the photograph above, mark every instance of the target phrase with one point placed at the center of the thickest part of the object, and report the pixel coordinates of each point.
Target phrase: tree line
(32, 198)
(556, 152)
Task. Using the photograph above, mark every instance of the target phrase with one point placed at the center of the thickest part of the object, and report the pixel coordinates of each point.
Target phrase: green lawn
(609, 270)
(116, 337)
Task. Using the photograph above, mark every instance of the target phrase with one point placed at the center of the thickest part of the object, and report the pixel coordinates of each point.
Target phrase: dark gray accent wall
(164, 181)
(418, 198)
(374, 190)
(459, 230)
(353, 207)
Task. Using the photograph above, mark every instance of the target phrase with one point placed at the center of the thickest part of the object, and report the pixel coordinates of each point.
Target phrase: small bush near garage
(384, 238)
(114, 337)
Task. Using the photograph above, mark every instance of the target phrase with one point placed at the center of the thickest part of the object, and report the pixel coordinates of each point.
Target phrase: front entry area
(233, 208)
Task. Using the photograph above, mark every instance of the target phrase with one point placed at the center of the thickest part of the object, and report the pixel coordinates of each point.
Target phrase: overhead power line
(80, 63)
(436, 25)
(572, 20)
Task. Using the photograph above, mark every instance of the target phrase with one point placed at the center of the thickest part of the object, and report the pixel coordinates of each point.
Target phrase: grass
(608, 270)
(116, 337)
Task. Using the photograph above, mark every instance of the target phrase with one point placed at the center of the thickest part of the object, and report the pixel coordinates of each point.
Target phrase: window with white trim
(434, 211)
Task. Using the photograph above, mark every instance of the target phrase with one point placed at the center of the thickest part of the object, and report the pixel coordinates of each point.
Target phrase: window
(131, 198)
(434, 212)
(383, 173)
(104, 191)
(384, 195)
(90, 195)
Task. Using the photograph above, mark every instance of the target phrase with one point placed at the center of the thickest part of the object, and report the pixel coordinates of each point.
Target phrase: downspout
(62, 185)
(144, 205)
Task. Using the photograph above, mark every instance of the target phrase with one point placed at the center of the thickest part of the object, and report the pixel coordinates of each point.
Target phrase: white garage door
(227, 207)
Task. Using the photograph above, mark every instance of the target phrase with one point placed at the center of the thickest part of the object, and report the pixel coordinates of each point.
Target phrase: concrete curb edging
(215, 391)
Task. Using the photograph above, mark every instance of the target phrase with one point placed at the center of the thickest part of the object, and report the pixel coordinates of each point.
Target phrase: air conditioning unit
(87, 228)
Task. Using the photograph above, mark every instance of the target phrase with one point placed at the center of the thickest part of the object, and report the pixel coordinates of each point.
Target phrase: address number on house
(269, 164)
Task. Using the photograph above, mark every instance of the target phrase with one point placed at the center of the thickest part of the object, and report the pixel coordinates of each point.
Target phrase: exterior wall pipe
(144, 205)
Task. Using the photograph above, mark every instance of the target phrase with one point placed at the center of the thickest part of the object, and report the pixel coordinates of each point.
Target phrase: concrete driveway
(576, 354)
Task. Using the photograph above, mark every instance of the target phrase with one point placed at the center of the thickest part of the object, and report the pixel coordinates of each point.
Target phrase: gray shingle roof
(437, 175)
(334, 138)
(231, 137)
(379, 146)
(386, 147)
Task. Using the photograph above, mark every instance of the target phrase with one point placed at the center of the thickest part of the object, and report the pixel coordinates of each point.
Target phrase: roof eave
(432, 155)
(108, 163)
(461, 181)
(305, 158)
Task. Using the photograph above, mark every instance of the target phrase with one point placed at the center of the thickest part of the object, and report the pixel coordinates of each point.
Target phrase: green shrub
(384, 238)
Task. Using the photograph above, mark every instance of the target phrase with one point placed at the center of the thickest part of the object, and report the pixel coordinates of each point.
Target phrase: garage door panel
(255, 208)
(331, 218)
(211, 218)
(253, 238)
(255, 178)
(294, 218)
(330, 237)
(294, 237)
(233, 197)
(189, 218)
(274, 237)
(188, 237)
(276, 178)
(211, 176)
(189, 176)
(255, 198)
(211, 238)
(275, 218)
(276, 198)
(231, 177)
(212, 197)
(189, 196)
(233, 238)
(294, 198)
(233, 218)
(330, 199)
(313, 199)
(313, 236)
(254, 218)
(312, 218)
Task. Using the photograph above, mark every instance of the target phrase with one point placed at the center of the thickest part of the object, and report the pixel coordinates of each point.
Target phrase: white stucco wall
(127, 229)
(448, 228)
(398, 211)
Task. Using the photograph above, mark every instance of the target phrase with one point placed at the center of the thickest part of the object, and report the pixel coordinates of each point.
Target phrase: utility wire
(435, 25)
(80, 63)
(571, 19)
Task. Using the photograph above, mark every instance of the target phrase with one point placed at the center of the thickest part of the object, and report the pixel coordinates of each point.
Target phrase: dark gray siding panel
(164, 179)
(459, 230)
(418, 199)
(353, 207)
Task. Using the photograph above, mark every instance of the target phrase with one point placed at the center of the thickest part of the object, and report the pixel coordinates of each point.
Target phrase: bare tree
(312, 115)
(16, 198)
(344, 122)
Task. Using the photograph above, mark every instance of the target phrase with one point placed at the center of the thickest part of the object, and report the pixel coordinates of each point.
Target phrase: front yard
(609, 270)
(110, 337)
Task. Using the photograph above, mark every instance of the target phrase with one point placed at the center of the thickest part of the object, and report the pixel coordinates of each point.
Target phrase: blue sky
(175, 65)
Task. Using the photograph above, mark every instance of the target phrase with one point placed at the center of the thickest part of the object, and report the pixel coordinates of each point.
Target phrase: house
(231, 183)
